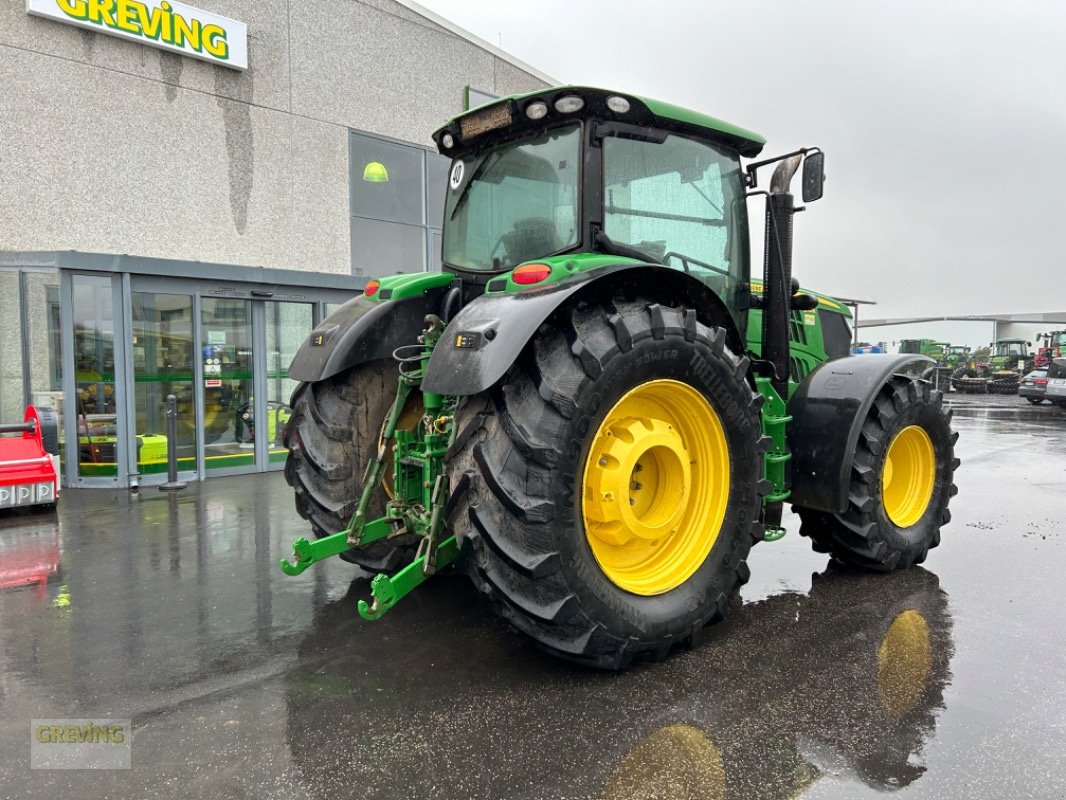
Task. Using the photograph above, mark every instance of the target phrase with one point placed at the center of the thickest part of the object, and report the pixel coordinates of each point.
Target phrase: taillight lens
(1040, 382)
(372, 288)
(531, 273)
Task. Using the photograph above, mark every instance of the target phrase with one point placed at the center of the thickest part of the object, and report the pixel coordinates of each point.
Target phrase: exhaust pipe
(777, 272)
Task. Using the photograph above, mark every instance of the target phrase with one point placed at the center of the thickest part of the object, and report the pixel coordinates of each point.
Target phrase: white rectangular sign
(167, 24)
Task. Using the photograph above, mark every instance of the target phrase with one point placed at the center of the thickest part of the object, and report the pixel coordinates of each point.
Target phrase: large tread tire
(864, 536)
(517, 466)
(964, 379)
(331, 436)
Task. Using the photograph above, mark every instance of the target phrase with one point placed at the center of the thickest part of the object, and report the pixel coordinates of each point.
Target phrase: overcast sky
(943, 123)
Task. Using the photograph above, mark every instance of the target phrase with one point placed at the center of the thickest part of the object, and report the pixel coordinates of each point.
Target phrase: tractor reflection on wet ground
(946, 680)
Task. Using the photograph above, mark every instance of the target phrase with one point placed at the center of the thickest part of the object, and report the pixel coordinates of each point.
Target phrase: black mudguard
(486, 337)
(362, 330)
(828, 410)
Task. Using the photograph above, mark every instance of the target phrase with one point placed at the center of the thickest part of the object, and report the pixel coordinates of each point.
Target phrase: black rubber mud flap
(487, 336)
(828, 410)
(361, 331)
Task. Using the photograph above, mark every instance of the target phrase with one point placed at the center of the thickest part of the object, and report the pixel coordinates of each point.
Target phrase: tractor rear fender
(362, 330)
(487, 336)
(828, 410)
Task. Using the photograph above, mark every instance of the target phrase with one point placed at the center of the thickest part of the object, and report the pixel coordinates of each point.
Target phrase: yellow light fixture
(375, 172)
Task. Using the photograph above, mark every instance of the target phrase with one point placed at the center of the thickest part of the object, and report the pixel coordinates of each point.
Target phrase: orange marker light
(371, 288)
(531, 273)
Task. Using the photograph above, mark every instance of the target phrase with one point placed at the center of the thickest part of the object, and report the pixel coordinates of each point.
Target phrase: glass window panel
(476, 98)
(681, 202)
(163, 350)
(11, 399)
(386, 180)
(42, 316)
(94, 378)
(226, 337)
(437, 168)
(434, 250)
(673, 200)
(385, 248)
(519, 202)
(287, 325)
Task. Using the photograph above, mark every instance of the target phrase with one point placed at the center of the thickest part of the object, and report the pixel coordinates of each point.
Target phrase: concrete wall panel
(319, 163)
(380, 73)
(100, 162)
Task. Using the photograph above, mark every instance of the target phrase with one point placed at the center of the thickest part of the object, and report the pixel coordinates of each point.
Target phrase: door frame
(120, 352)
(123, 284)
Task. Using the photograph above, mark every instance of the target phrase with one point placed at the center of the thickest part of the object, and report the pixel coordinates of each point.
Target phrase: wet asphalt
(946, 681)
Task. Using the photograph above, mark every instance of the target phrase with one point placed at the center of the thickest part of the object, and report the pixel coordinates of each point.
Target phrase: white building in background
(184, 195)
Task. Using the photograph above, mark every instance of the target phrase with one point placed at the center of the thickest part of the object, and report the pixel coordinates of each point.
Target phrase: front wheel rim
(655, 487)
(909, 476)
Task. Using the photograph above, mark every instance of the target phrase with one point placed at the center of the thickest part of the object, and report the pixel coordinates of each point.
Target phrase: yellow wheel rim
(908, 477)
(904, 661)
(655, 487)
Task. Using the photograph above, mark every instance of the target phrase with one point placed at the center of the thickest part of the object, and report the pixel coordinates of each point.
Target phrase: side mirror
(813, 176)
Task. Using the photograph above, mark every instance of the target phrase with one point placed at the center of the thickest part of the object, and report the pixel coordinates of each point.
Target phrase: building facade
(173, 221)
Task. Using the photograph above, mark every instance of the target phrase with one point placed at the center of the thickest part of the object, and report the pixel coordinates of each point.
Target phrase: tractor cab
(1016, 348)
(565, 175)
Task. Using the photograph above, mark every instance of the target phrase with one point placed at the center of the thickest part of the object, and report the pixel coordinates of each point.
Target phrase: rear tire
(879, 531)
(518, 472)
(331, 437)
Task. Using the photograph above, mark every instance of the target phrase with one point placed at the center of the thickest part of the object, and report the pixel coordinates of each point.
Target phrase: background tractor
(948, 363)
(948, 358)
(1050, 345)
(1007, 363)
(594, 410)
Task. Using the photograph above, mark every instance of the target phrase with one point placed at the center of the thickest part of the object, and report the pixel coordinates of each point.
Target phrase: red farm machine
(29, 454)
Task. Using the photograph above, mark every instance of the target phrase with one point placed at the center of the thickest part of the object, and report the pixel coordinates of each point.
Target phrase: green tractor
(926, 347)
(955, 356)
(939, 374)
(1009, 361)
(594, 410)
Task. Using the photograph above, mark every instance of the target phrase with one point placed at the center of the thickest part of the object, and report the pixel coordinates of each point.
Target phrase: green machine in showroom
(595, 410)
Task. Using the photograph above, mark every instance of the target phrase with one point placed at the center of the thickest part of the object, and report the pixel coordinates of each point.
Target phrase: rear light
(531, 273)
(1040, 381)
(371, 288)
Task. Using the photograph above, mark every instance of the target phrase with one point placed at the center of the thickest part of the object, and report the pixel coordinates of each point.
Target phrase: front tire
(563, 535)
(901, 483)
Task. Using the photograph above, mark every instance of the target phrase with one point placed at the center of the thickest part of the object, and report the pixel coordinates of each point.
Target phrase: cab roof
(510, 112)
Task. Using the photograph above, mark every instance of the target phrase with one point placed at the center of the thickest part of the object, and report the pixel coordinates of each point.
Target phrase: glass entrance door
(99, 443)
(163, 349)
(228, 356)
(285, 326)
